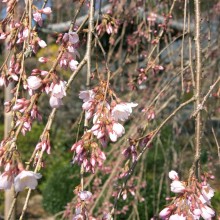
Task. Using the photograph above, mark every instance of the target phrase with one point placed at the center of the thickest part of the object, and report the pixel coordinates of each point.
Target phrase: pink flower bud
(42, 43)
(92, 161)
(25, 32)
(46, 10)
(43, 59)
(35, 71)
(43, 73)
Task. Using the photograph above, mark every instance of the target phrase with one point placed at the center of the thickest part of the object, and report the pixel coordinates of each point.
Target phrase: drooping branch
(195, 169)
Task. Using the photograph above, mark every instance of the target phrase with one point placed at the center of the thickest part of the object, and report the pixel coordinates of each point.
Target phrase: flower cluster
(131, 151)
(37, 15)
(70, 42)
(14, 172)
(192, 200)
(105, 116)
(81, 212)
(20, 106)
(88, 153)
(109, 25)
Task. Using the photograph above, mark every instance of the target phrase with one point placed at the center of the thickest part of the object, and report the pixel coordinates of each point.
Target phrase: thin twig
(195, 169)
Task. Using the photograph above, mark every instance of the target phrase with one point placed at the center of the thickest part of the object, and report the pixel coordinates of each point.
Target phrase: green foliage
(58, 188)
(216, 202)
(1, 201)
(26, 144)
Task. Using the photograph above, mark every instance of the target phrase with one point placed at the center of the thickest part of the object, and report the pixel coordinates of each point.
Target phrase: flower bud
(173, 175)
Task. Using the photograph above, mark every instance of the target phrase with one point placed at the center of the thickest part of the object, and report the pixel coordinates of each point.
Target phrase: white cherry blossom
(73, 64)
(42, 43)
(207, 193)
(123, 110)
(177, 186)
(173, 175)
(177, 217)
(87, 95)
(165, 213)
(55, 102)
(26, 179)
(58, 89)
(207, 212)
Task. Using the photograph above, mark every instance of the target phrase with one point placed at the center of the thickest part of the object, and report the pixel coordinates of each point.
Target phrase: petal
(113, 136)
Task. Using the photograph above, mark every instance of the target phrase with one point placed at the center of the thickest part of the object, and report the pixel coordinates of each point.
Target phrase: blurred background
(139, 23)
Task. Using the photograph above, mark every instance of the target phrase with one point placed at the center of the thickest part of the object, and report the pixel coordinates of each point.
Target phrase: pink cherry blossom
(34, 82)
(64, 61)
(43, 73)
(86, 95)
(38, 18)
(73, 51)
(46, 10)
(58, 89)
(73, 37)
(107, 216)
(207, 193)
(44, 145)
(55, 102)
(35, 113)
(26, 125)
(73, 65)
(85, 195)
(21, 105)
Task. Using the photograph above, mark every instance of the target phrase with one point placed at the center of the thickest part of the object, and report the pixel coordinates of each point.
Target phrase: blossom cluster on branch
(105, 110)
(192, 200)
